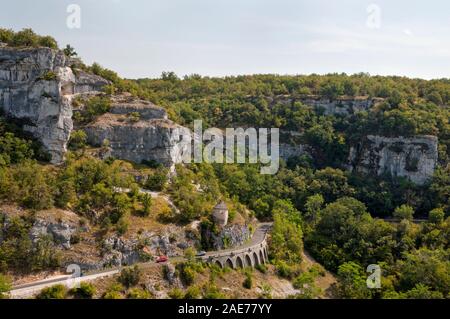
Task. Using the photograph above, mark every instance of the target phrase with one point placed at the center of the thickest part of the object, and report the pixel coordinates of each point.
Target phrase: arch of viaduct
(249, 256)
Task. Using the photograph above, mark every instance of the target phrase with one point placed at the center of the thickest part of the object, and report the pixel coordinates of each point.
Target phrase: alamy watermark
(232, 145)
(374, 279)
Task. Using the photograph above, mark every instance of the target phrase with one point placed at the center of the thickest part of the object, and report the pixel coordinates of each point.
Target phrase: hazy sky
(142, 38)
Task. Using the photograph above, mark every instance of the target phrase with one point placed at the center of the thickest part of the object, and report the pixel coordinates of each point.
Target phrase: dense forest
(314, 203)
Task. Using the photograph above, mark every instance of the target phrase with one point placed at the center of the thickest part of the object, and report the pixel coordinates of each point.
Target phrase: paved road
(30, 289)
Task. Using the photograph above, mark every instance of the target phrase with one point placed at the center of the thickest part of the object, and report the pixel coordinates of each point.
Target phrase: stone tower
(220, 214)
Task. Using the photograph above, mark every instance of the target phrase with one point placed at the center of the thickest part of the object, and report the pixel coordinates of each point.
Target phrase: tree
(352, 282)
(69, 51)
(48, 42)
(26, 37)
(130, 276)
(436, 216)
(404, 212)
(421, 291)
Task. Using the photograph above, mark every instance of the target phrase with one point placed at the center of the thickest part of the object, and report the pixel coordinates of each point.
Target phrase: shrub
(248, 282)
(6, 35)
(138, 293)
(134, 117)
(84, 291)
(193, 292)
(48, 42)
(261, 268)
(113, 292)
(78, 139)
(26, 38)
(130, 276)
(53, 292)
(157, 181)
(69, 51)
(5, 286)
(176, 293)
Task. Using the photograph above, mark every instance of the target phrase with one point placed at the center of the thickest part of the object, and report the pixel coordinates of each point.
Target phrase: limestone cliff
(36, 87)
(339, 106)
(412, 157)
(147, 136)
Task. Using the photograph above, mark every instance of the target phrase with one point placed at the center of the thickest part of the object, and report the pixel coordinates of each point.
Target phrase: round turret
(220, 214)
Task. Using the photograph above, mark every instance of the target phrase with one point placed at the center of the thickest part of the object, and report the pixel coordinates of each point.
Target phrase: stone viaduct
(248, 255)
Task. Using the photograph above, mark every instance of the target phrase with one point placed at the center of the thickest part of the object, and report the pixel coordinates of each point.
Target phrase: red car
(162, 259)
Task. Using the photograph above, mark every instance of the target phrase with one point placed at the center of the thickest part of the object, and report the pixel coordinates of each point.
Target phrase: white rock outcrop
(36, 87)
(412, 157)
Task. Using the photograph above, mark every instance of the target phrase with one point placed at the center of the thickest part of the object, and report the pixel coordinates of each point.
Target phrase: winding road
(229, 257)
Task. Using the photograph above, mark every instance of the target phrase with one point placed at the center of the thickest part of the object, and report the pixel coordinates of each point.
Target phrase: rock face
(36, 87)
(338, 106)
(60, 232)
(146, 139)
(414, 157)
(229, 237)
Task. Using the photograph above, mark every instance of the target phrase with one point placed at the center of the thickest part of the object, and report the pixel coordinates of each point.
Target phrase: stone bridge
(248, 255)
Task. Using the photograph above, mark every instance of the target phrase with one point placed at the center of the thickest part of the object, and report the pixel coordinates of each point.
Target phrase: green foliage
(248, 282)
(134, 117)
(53, 292)
(84, 291)
(423, 292)
(14, 150)
(138, 293)
(287, 238)
(78, 139)
(93, 107)
(157, 181)
(26, 38)
(114, 292)
(436, 216)
(404, 212)
(176, 293)
(5, 286)
(193, 292)
(352, 282)
(69, 51)
(130, 276)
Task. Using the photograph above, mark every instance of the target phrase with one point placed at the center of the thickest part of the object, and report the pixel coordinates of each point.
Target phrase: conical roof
(221, 205)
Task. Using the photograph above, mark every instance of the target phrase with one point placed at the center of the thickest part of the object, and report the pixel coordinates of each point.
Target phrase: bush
(130, 276)
(134, 117)
(176, 293)
(48, 42)
(261, 268)
(78, 139)
(193, 292)
(248, 282)
(138, 293)
(5, 286)
(84, 291)
(53, 292)
(113, 292)
(157, 181)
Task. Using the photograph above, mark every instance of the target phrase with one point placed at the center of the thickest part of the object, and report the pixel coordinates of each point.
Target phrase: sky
(143, 38)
